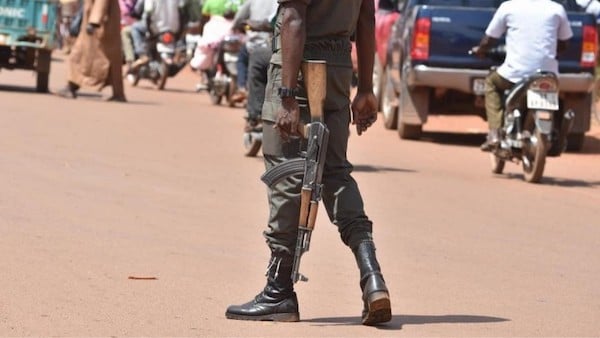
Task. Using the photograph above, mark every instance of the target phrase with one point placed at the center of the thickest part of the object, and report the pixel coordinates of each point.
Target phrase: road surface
(93, 193)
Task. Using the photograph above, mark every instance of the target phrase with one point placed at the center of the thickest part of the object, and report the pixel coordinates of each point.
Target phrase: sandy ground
(93, 193)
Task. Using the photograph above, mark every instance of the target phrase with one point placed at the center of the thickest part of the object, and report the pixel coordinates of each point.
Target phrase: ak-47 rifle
(311, 163)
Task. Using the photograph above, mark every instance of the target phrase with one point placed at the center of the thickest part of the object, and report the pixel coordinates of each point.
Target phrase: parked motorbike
(222, 80)
(534, 124)
(167, 56)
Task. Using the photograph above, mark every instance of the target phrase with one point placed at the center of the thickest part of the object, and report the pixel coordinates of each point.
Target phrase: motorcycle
(252, 138)
(534, 124)
(167, 56)
(222, 79)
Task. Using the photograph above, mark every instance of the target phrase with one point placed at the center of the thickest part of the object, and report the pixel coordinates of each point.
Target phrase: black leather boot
(377, 307)
(277, 302)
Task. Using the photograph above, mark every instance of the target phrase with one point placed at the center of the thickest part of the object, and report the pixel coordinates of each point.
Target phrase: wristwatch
(287, 92)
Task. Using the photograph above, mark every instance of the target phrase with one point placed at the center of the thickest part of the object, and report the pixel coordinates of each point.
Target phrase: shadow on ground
(454, 139)
(591, 145)
(399, 320)
(21, 89)
(554, 181)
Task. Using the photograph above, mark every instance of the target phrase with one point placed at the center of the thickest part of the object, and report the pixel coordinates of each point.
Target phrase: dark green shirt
(329, 26)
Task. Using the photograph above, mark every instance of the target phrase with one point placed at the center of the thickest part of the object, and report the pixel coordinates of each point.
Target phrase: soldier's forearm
(365, 46)
(293, 36)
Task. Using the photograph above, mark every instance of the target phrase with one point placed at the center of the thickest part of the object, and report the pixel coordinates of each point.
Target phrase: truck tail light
(420, 42)
(589, 47)
(45, 15)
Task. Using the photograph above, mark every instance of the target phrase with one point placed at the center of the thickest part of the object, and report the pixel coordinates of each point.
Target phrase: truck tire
(410, 131)
(575, 141)
(412, 111)
(43, 70)
(41, 85)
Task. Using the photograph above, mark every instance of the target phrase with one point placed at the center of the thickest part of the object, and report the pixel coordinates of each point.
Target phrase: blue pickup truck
(431, 72)
(27, 34)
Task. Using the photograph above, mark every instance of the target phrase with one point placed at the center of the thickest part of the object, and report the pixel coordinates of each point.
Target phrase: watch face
(287, 92)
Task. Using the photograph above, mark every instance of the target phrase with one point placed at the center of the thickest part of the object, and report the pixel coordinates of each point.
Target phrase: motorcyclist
(159, 16)
(590, 6)
(252, 70)
(536, 30)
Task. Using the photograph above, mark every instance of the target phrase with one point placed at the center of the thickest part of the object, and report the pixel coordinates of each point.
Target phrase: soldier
(321, 30)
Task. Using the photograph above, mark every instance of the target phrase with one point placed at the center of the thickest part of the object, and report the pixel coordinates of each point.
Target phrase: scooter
(222, 80)
(167, 57)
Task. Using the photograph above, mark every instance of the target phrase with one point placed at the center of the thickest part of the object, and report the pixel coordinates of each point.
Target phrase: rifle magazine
(285, 169)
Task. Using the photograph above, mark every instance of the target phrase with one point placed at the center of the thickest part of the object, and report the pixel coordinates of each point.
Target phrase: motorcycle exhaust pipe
(565, 128)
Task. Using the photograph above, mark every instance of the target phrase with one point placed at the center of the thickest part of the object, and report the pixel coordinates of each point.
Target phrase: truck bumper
(464, 79)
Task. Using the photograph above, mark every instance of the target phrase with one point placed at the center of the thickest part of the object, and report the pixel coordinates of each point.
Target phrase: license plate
(479, 86)
(542, 100)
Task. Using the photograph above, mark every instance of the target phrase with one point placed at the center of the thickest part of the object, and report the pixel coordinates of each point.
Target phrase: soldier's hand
(288, 118)
(364, 111)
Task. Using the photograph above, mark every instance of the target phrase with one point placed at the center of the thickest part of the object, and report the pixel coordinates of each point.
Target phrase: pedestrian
(96, 58)
(321, 30)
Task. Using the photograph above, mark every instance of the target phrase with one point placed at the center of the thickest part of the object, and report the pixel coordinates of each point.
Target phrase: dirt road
(93, 193)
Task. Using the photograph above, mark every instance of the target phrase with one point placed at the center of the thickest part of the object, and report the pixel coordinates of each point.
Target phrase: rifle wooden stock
(314, 73)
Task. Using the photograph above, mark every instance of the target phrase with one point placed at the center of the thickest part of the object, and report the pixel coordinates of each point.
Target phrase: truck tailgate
(17, 16)
(455, 30)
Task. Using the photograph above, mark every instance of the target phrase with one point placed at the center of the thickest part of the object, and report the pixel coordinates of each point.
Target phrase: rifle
(311, 162)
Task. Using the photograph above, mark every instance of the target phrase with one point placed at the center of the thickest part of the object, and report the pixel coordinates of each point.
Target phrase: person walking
(96, 58)
(318, 30)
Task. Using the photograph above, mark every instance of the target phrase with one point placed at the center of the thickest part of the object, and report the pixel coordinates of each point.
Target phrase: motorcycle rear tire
(533, 173)
(164, 74)
(252, 143)
(497, 164)
(214, 97)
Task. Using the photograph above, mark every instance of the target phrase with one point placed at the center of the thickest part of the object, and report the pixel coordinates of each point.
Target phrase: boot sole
(380, 309)
(276, 317)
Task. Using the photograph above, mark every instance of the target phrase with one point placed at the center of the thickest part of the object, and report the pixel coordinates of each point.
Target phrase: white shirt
(532, 29)
(164, 15)
(590, 6)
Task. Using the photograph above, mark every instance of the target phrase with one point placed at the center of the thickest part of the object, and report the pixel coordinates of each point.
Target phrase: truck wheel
(409, 131)
(42, 82)
(413, 108)
(388, 110)
(575, 141)
(43, 70)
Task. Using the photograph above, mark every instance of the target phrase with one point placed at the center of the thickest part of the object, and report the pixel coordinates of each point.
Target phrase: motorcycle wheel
(534, 157)
(214, 97)
(252, 143)
(231, 89)
(164, 74)
(497, 164)
(133, 79)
